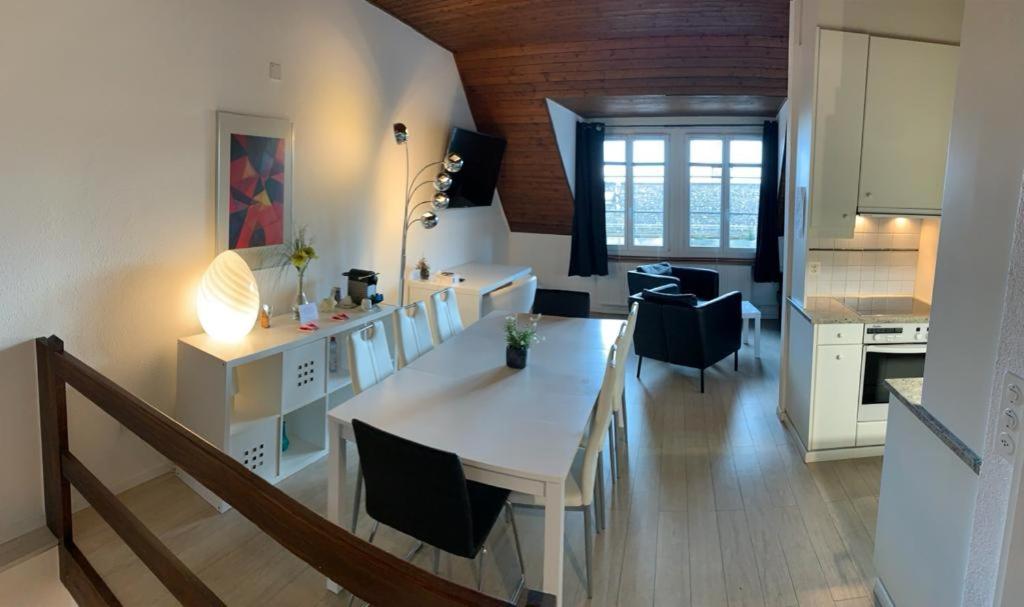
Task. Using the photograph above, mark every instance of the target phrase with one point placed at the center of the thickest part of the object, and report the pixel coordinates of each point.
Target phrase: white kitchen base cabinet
(823, 389)
(481, 283)
(245, 397)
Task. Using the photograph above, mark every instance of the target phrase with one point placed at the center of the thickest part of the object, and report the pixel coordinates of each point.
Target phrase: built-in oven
(880, 363)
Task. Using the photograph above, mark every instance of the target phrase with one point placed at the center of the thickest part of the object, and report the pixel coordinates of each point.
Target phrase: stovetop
(887, 306)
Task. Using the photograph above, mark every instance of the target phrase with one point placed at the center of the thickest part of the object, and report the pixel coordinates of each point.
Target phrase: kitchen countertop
(908, 391)
(831, 310)
(825, 310)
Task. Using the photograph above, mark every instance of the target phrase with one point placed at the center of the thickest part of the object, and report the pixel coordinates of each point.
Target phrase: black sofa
(701, 282)
(678, 328)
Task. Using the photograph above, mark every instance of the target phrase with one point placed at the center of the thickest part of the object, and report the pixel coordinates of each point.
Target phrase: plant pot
(424, 274)
(515, 357)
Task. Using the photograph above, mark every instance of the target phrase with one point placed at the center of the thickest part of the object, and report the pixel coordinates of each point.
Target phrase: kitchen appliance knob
(919, 336)
(839, 357)
(877, 337)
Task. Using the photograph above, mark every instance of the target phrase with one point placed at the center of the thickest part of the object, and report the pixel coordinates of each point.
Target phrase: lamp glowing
(227, 301)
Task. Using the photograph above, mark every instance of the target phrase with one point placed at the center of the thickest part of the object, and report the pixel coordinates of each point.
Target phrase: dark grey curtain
(769, 228)
(589, 255)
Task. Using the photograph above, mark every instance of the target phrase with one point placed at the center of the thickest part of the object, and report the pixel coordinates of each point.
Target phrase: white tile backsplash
(881, 259)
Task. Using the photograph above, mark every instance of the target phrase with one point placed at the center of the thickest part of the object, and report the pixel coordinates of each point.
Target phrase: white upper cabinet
(907, 118)
(838, 126)
(882, 114)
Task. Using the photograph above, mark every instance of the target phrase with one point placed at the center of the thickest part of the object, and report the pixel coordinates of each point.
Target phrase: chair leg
(613, 455)
(588, 540)
(736, 360)
(480, 568)
(625, 419)
(373, 534)
(599, 502)
(519, 554)
(359, 495)
(702, 381)
(639, 363)
(515, 538)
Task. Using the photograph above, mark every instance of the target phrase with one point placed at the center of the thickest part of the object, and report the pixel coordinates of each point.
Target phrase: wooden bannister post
(53, 424)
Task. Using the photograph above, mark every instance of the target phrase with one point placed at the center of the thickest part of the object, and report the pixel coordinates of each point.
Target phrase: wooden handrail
(365, 570)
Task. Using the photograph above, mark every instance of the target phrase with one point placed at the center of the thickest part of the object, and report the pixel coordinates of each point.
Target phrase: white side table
(750, 312)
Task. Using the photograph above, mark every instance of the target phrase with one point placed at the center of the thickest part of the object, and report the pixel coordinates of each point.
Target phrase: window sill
(641, 259)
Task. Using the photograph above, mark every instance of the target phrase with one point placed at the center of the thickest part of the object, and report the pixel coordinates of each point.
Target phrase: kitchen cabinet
(882, 114)
(822, 393)
(838, 127)
(836, 387)
(908, 113)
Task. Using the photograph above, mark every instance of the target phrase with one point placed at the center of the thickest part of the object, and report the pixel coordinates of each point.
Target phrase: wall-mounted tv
(474, 185)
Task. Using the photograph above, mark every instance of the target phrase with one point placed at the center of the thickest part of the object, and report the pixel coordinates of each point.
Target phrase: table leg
(757, 336)
(337, 469)
(746, 331)
(554, 532)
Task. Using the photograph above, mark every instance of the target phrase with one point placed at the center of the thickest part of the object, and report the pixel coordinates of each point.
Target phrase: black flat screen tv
(474, 185)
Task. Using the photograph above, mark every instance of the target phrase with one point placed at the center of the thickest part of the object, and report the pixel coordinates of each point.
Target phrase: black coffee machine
(362, 284)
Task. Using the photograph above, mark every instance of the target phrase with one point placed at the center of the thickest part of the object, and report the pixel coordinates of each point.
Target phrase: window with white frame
(688, 191)
(634, 191)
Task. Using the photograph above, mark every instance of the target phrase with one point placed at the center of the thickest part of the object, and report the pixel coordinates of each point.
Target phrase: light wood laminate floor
(714, 507)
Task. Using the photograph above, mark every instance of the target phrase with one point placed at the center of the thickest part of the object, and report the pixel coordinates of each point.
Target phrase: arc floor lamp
(452, 163)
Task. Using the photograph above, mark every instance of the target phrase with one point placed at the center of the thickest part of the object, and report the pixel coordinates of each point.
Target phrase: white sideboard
(481, 281)
(241, 396)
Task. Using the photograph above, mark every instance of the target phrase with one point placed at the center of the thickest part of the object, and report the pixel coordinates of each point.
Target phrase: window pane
(648, 205)
(742, 230)
(614, 170)
(648, 229)
(614, 150)
(706, 150)
(744, 191)
(705, 229)
(745, 151)
(615, 203)
(649, 150)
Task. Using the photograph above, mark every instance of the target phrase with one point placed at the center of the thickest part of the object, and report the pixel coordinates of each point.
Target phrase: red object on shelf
(309, 327)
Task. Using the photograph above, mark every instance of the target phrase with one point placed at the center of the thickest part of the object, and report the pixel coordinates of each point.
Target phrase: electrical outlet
(814, 268)
(275, 71)
(1008, 421)
(1005, 444)
(1013, 389)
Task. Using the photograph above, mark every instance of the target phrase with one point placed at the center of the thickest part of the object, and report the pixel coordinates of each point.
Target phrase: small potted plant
(423, 267)
(518, 340)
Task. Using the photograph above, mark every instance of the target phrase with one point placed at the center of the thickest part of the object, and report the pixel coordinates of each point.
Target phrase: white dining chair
(516, 297)
(369, 362)
(412, 332)
(624, 343)
(445, 320)
(585, 485)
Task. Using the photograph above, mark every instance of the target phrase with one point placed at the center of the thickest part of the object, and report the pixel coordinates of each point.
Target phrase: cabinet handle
(839, 357)
(839, 335)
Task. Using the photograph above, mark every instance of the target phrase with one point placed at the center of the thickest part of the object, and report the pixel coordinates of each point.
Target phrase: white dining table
(516, 429)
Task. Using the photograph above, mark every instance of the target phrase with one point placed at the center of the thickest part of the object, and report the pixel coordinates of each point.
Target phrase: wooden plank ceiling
(514, 54)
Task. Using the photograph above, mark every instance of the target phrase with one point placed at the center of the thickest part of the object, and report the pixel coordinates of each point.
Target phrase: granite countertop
(830, 310)
(908, 392)
(826, 310)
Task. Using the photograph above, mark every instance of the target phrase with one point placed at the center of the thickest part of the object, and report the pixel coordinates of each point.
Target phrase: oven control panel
(895, 333)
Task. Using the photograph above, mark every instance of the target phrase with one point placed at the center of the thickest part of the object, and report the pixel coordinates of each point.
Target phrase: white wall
(980, 335)
(108, 173)
(563, 123)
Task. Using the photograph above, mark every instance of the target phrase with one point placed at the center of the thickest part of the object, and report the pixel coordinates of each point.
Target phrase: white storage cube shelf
(241, 397)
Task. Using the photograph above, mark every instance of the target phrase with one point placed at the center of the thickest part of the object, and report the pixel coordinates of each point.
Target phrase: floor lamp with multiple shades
(452, 163)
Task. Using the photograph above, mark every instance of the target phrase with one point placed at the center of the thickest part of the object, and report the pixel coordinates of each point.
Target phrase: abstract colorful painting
(257, 191)
(254, 203)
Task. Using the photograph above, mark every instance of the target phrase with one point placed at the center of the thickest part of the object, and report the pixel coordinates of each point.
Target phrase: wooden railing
(365, 570)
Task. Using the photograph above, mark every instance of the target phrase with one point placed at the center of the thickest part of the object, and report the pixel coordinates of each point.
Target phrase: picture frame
(254, 186)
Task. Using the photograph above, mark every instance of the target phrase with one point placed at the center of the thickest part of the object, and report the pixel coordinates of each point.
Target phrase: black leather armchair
(700, 281)
(677, 328)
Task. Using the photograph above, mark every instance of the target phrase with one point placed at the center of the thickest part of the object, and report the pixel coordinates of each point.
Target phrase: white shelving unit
(243, 397)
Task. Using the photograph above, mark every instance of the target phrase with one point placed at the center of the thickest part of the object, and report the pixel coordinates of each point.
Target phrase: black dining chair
(423, 493)
(558, 302)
